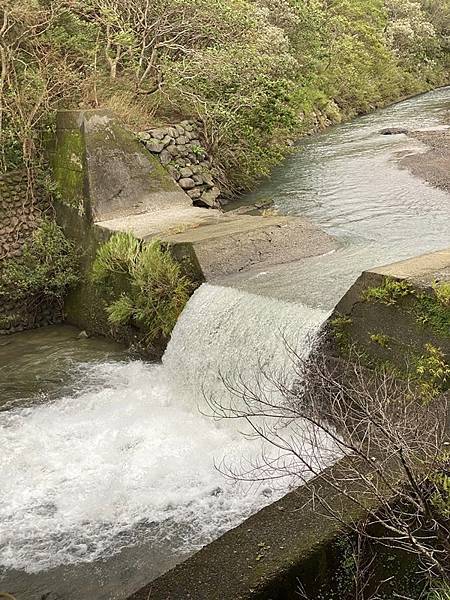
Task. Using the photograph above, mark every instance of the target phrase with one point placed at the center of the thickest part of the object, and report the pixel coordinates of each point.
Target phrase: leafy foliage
(116, 257)
(434, 311)
(144, 284)
(47, 268)
(442, 291)
(255, 72)
(390, 292)
(432, 371)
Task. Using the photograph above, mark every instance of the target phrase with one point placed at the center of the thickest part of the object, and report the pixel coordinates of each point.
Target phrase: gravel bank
(434, 165)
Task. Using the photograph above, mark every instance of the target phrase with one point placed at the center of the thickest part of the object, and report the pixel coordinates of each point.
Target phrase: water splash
(132, 458)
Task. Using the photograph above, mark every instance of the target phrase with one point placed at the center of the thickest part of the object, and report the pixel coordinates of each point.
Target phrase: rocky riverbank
(434, 165)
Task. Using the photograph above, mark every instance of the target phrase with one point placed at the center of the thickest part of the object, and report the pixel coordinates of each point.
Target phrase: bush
(255, 72)
(144, 285)
(46, 270)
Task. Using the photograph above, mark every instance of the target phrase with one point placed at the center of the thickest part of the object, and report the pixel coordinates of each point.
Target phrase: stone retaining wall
(18, 213)
(181, 151)
(19, 217)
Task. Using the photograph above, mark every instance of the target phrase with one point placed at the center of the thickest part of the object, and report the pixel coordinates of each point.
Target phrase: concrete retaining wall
(109, 182)
(293, 544)
(392, 314)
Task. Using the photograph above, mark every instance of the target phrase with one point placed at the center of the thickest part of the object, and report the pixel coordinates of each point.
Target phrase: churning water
(107, 468)
(126, 456)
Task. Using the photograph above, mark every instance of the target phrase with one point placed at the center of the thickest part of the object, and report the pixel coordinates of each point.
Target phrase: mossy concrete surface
(104, 172)
(392, 313)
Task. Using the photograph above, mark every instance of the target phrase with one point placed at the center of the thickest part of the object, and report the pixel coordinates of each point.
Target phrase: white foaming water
(132, 458)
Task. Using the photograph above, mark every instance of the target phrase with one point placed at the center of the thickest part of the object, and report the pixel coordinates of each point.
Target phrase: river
(107, 472)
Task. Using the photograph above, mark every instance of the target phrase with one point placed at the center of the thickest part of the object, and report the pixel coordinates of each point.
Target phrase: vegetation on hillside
(254, 72)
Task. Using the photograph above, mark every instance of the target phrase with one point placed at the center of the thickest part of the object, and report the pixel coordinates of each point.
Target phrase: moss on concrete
(68, 168)
(431, 306)
(398, 324)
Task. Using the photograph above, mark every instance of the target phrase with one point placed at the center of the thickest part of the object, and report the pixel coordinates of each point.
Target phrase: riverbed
(108, 471)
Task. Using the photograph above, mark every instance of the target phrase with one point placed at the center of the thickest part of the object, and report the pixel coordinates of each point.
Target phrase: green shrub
(47, 268)
(390, 292)
(144, 285)
(442, 291)
(433, 311)
(380, 339)
(116, 257)
(432, 371)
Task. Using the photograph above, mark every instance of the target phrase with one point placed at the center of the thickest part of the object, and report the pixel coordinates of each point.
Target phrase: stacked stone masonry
(181, 152)
(18, 213)
(19, 216)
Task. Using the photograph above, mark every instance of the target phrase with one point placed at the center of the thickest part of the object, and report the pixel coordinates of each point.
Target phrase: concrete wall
(290, 546)
(294, 543)
(394, 314)
(109, 182)
(103, 171)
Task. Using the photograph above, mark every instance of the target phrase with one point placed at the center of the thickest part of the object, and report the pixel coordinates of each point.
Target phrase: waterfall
(131, 455)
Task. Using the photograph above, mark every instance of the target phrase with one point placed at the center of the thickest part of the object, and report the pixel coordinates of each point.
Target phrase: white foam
(132, 457)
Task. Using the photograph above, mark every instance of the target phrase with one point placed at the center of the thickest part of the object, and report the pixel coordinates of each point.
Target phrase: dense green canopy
(256, 72)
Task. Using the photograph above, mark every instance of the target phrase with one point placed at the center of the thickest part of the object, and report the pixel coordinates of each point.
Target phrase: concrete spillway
(114, 475)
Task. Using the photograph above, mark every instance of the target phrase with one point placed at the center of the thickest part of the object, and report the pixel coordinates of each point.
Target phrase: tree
(36, 76)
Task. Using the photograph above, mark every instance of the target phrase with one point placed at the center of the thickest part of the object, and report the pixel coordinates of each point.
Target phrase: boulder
(209, 198)
(158, 134)
(182, 149)
(154, 146)
(167, 140)
(174, 172)
(194, 193)
(186, 172)
(165, 157)
(173, 150)
(208, 179)
(393, 131)
(186, 183)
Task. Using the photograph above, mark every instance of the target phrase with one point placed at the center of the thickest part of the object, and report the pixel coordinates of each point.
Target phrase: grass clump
(442, 291)
(46, 270)
(143, 283)
(389, 292)
(433, 310)
(432, 372)
(380, 339)
(440, 593)
(429, 311)
(115, 257)
(340, 325)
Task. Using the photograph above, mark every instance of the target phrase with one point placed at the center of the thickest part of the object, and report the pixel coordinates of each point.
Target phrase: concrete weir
(294, 542)
(112, 182)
